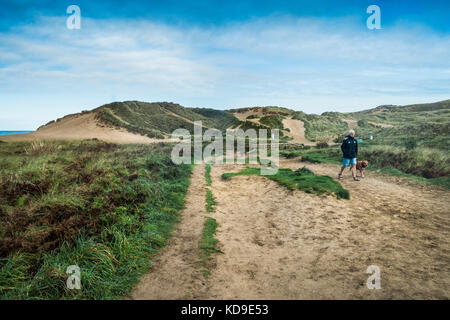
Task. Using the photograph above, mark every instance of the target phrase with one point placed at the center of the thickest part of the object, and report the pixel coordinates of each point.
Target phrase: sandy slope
(80, 126)
(280, 244)
(297, 131)
(175, 273)
(296, 127)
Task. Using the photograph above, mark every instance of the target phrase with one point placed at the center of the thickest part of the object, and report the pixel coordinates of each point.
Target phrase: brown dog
(361, 166)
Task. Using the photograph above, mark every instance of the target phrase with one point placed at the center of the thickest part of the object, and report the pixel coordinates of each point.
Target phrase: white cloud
(312, 64)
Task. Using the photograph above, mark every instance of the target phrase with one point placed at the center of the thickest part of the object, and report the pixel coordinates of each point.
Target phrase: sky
(313, 56)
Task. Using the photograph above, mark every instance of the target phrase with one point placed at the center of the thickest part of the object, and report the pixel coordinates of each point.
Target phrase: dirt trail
(281, 244)
(175, 273)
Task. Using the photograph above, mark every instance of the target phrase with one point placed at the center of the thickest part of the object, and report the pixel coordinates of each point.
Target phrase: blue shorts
(348, 161)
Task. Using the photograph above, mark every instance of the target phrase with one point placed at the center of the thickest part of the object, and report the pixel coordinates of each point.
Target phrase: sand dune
(81, 126)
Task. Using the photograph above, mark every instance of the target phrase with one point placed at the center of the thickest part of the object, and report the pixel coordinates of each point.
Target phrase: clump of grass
(301, 179)
(210, 202)
(208, 244)
(290, 154)
(208, 174)
(107, 208)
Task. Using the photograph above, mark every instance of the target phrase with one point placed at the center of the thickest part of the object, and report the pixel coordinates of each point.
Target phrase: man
(349, 148)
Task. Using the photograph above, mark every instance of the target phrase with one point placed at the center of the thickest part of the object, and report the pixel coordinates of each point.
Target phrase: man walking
(349, 149)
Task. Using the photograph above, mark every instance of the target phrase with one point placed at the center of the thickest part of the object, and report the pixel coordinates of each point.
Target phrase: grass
(210, 202)
(420, 164)
(321, 127)
(301, 179)
(208, 174)
(107, 208)
(159, 119)
(208, 244)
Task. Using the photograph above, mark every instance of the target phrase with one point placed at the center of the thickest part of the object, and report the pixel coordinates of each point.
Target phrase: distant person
(349, 149)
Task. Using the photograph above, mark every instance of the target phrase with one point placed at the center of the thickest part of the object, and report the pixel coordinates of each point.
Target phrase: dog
(361, 166)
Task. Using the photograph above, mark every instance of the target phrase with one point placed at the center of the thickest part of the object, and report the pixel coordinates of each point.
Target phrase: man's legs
(353, 168)
(345, 163)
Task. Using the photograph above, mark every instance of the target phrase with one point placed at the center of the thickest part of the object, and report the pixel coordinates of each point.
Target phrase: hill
(426, 125)
(418, 125)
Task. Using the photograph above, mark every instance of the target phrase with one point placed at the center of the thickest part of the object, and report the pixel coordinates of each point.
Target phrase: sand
(281, 244)
(81, 126)
(175, 272)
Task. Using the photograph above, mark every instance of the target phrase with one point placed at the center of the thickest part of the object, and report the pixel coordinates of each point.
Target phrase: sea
(4, 133)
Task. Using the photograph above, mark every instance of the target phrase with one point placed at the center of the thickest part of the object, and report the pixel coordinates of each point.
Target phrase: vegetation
(424, 164)
(208, 244)
(104, 207)
(159, 119)
(301, 179)
(210, 202)
(321, 127)
(208, 174)
(421, 125)
(272, 121)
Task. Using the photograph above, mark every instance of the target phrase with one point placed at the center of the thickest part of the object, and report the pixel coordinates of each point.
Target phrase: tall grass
(104, 207)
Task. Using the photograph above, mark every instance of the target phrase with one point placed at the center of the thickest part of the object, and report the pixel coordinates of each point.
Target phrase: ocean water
(4, 133)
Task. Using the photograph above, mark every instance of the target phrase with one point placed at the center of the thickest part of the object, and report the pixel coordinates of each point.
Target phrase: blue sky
(313, 56)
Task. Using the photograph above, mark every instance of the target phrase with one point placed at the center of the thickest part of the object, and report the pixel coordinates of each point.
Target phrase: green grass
(273, 121)
(420, 164)
(159, 119)
(208, 244)
(301, 179)
(107, 208)
(321, 127)
(210, 202)
(208, 174)
(421, 125)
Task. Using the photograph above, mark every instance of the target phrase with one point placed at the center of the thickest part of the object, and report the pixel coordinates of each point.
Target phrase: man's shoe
(356, 178)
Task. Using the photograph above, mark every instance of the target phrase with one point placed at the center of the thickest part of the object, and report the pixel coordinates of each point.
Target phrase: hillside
(160, 119)
(419, 125)
(426, 125)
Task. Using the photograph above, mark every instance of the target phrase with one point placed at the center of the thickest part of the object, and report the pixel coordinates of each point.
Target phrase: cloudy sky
(313, 56)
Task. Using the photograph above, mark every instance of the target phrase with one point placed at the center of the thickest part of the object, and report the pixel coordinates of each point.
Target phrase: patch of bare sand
(352, 124)
(297, 131)
(81, 126)
(281, 244)
(175, 273)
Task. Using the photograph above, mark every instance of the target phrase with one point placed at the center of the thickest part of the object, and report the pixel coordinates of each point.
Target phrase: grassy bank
(301, 179)
(104, 207)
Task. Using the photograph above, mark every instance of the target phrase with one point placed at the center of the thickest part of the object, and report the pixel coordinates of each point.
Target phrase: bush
(322, 144)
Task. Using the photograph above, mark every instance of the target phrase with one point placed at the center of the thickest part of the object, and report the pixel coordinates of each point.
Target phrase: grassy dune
(104, 207)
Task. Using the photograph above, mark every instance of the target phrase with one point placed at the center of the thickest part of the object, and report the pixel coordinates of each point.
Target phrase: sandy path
(280, 244)
(175, 273)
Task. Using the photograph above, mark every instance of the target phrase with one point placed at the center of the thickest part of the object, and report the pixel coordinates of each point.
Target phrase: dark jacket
(349, 147)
